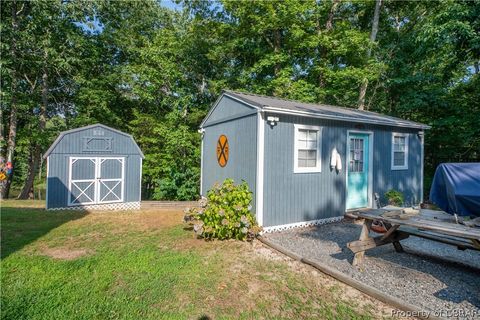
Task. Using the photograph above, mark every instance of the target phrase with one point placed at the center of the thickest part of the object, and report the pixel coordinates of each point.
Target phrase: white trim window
(307, 154)
(399, 151)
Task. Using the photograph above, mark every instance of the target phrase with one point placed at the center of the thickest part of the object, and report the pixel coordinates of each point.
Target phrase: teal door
(358, 166)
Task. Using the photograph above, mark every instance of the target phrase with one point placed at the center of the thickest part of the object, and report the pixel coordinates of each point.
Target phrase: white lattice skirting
(107, 206)
(303, 224)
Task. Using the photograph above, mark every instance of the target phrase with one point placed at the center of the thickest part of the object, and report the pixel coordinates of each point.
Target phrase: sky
(170, 4)
(94, 26)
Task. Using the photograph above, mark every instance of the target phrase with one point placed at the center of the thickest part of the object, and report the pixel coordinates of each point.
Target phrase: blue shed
(94, 167)
(308, 164)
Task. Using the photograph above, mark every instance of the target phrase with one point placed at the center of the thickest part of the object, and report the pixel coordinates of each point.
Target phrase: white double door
(96, 180)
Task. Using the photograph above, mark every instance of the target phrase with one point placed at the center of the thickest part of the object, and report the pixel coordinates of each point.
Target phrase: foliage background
(153, 69)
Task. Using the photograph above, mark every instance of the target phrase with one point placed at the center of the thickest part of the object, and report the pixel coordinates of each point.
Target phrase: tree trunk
(276, 50)
(322, 51)
(2, 136)
(331, 14)
(12, 131)
(373, 37)
(27, 190)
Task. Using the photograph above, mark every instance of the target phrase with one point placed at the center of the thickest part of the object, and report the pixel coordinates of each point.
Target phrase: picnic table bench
(428, 224)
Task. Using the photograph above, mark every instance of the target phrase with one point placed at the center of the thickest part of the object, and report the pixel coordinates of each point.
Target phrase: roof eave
(347, 119)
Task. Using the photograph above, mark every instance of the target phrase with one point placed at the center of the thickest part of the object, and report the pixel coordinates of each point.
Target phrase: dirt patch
(160, 218)
(65, 253)
(190, 243)
(141, 220)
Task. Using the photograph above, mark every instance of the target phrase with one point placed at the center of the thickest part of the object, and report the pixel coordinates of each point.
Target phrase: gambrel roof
(97, 125)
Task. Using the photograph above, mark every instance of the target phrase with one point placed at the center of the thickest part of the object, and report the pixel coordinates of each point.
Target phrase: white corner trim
(140, 185)
(46, 185)
(422, 166)
(296, 168)
(260, 167)
(201, 161)
(406, 136)
(302, 224)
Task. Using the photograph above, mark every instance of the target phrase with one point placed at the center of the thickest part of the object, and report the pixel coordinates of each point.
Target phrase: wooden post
(364, 235)
(398, 246)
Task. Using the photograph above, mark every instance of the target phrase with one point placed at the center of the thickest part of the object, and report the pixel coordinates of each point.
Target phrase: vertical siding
(242, 141)
(132, 178)
(228, 108)
(57, 181)
(409, 181)
(295, 197)
(72, 146)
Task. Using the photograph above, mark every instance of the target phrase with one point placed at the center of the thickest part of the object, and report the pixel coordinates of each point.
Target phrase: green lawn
(130, 265)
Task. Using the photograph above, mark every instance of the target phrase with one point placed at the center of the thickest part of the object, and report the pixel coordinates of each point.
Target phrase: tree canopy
(153, 71)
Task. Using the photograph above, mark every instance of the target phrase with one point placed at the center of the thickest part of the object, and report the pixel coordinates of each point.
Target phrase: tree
(14, 33)
(154, 72)
(373, 37)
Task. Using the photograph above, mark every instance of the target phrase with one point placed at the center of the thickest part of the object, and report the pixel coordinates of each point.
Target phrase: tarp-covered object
(456, 188)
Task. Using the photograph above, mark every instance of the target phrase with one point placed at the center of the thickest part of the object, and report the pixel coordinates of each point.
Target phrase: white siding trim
(46, 185)
(370, 166)
(302, 224)
(422, 155)
(140, 185)
(406, 136)
(202, 136)
(296, 168)
(260, 168)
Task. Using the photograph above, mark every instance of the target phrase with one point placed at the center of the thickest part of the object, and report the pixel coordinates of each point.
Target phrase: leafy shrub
(225, 213)
(394, 197)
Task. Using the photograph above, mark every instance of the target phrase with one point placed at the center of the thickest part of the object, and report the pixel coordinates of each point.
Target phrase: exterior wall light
(272, 120)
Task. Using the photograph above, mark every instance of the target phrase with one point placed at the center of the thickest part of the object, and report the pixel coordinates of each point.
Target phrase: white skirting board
(107, 206)
(302, 224)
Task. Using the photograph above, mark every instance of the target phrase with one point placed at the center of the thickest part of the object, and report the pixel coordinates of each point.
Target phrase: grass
(130, 265)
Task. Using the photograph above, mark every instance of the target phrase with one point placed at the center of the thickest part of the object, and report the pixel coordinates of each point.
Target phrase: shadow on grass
(22, 225)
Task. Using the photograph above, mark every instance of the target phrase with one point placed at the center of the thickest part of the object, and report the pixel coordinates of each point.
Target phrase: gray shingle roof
(98, 125)
(320, 110)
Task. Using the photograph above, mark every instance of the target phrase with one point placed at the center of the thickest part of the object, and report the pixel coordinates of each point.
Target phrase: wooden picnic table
(428, 224)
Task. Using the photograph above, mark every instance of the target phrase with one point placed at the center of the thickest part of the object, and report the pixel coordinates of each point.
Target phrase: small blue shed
(308, 163)
(94, 167)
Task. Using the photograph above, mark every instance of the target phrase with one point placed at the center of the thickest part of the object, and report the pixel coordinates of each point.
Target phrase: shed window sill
(307, 170)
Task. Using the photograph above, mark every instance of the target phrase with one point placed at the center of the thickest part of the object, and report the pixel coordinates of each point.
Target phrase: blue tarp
(456, 188)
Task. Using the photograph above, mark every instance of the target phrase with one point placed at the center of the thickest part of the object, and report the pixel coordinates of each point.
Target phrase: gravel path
(430, 275)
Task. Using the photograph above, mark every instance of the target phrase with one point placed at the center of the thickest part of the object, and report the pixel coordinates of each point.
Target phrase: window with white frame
(399, 151)
(307, 149)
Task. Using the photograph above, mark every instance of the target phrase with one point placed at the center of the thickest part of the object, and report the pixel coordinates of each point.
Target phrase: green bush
(394, 197)
(225, 213)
